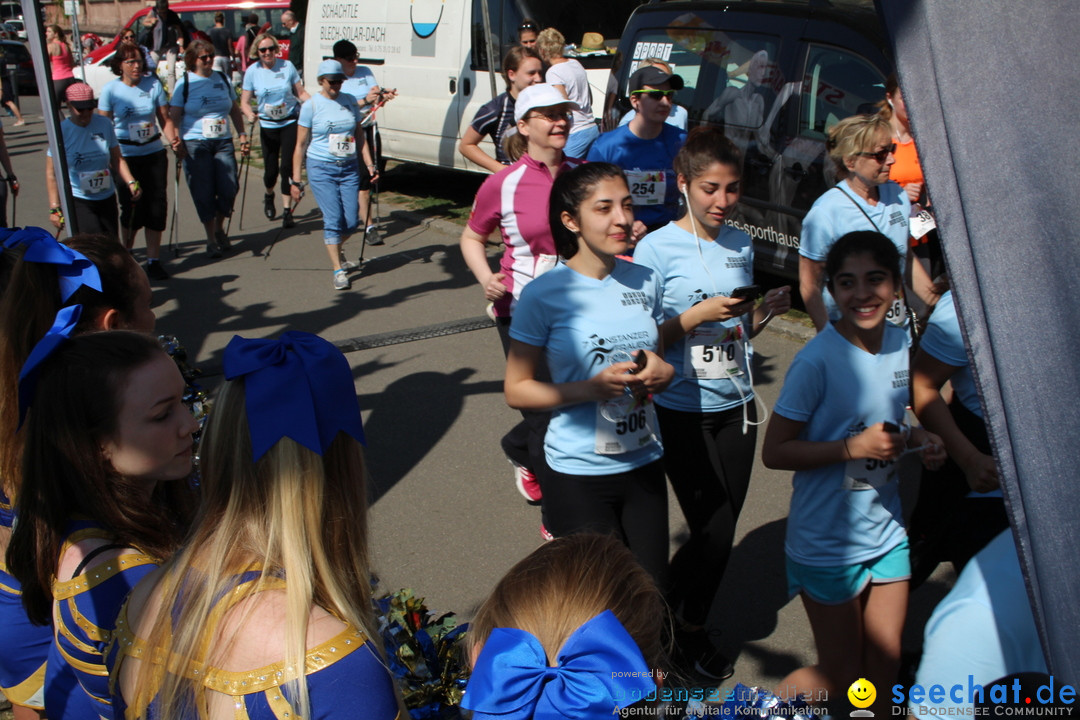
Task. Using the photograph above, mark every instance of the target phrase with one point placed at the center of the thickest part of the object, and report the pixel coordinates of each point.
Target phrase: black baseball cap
(653, 76)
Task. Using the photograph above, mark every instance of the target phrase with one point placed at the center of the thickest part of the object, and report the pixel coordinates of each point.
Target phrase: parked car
(20, 28)
(8, 31)
(14, 55)
(775, 76)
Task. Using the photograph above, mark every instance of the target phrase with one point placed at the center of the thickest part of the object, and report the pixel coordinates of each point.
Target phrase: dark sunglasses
(205, 58)
(128, 37)
(334, 82)
(881, 155)
(654, 94)
(526, 26)
(267, 49)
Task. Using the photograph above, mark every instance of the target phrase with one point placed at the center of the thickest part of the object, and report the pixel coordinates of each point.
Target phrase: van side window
(504, 22)
(837, 84)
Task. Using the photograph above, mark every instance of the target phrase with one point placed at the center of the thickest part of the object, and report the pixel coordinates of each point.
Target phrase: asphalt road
(446, 518)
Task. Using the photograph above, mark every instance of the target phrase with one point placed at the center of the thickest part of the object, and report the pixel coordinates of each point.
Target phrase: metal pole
(489, 41)
(35, 35)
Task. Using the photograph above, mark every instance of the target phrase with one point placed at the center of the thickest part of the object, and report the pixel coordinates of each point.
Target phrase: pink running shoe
(548, 537)
(527, 484)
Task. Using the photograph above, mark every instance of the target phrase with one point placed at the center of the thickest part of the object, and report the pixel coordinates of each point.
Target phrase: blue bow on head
(299, 386)
(599, 669)
(72, 267)
(62, 327)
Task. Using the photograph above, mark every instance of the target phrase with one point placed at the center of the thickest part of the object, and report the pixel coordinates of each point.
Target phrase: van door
(424, 58)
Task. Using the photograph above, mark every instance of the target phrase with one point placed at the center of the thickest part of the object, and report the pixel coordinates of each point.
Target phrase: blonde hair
(550, 43)
(854, 135)
(567, 582)
(253, 53)
(294, 515)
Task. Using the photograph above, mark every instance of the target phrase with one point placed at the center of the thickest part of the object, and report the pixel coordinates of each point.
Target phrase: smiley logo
(862, 693)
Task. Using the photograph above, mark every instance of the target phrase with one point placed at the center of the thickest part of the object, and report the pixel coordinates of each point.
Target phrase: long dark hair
(567, 193)
(27, 309)
(65, 473)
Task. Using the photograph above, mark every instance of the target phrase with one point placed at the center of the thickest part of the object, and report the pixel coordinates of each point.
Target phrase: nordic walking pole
(244, 157)
(175, 211)
(247, 172)
(281, 229)
(14, 200)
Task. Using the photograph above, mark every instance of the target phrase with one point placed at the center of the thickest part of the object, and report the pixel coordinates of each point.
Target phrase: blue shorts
(837, 584)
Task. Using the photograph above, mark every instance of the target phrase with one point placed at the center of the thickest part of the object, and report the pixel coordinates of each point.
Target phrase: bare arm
(365, 152)
(469, 147)
(783, 450)
(811, 281)
(303, 134)
(921, 282)
(238, 119)
(928, 375)
(473, 251)
(715, 309)
(246, 96)
(777, 302)
(301, 93)
(524, 391)
(168, 128)
(176, 117)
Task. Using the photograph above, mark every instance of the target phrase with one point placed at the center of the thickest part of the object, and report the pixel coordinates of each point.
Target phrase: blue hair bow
(72, 267)
(299, 386)
(66, 320)
(599, 669)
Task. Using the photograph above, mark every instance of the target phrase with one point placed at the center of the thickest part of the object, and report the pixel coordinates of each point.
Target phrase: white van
(434, 52)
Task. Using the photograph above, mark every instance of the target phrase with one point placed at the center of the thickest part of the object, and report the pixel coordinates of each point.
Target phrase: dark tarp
(994, 100)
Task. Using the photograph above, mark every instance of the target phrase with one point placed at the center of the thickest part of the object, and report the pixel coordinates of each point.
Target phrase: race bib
(868, 474)
(544, 263)
(276, 112)
(920, 223)
(95, 182)
(713, 351)
(213, 128)
(621, 433)
(897, 314)
(141, 132)
(342, 145)
(647, 187)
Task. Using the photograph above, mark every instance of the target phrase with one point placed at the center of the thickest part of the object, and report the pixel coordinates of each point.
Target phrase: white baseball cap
(539, 96)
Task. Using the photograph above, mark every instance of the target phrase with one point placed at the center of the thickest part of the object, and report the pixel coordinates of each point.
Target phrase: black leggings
(630, 505)
(278, 143)
(708, 460)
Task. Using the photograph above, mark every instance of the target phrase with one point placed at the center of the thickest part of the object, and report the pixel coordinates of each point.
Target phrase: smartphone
(640, 358)
(747, 292)
(890, 427)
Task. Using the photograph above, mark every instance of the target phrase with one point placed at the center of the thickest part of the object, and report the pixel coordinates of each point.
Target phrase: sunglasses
(267, 49)
(205, 58)
(334, 82)
(654, 94)
(128, 37)
(881, 155)
(526, 26)
(550, 114)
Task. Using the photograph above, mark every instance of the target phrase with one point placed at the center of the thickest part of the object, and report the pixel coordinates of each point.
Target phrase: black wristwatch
(294, 183)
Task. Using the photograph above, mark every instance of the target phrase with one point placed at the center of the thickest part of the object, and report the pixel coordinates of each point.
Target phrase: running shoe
(346, 264)
(527, 484)
(155, 271)
(372, 236)
(268, 206)
(698, 658)
(341, 280)
(213, 249)
(287, 219)
(548, 537)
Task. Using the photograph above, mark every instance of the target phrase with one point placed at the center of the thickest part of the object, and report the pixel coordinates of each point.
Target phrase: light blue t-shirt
(359, 85)
(710, 361)
(847, 512)
(88, 151)
(274, 92)
(983, 628)
(206, 112)
(580, 321)
(134, 111)
(943, 341)
(333, 127)
(833, 215)
(648, 168)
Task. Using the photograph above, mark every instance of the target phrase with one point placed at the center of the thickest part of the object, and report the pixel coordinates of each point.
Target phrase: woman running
(707, 415)
(595, 320)
(839, 424)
